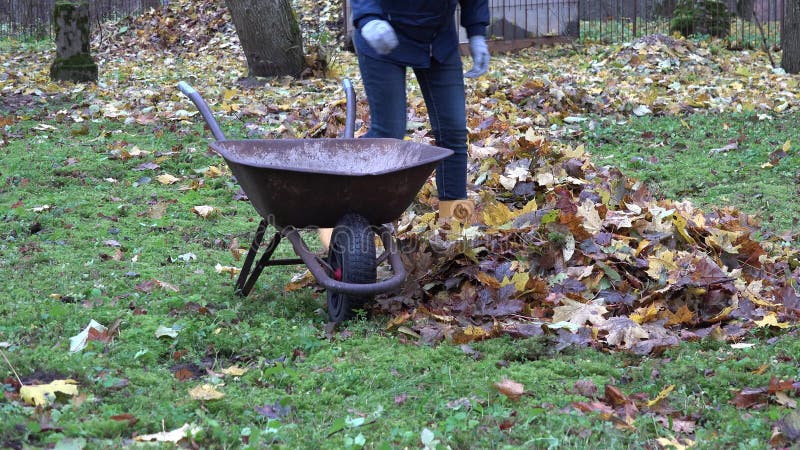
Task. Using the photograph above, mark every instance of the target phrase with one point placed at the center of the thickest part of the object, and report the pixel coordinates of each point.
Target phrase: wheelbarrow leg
(263, 262)
(247, 278)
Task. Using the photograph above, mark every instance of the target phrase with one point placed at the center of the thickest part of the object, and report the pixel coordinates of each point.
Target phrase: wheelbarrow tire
(352, 257)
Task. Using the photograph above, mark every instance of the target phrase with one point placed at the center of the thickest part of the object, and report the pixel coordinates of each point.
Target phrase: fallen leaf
(591, 218)
(274, 411)
(167, 179)
(234, 371)
(164, 331)
(469, 334)
(205, 392)
(661, 395)
(579, 313)
(771, 320)
(510, 388)
(205, 211)
(751, 398)
(623, 332)
(789, 426)
(173, 436)
(227, 269)
(674, 444)
(299, 281)
(125, 417)
(93, 331)
(782, 398)
(44, 394)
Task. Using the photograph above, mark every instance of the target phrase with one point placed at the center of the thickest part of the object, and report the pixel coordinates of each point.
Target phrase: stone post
(73, 58)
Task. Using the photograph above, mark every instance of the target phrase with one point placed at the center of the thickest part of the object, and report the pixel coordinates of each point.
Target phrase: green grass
(366, 387)
(678, 158)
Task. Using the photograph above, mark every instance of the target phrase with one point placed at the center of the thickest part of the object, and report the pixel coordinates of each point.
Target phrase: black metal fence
(741, 22)
(34, 17)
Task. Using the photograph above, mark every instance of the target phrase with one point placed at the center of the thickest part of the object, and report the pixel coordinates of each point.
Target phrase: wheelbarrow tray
(314, 182)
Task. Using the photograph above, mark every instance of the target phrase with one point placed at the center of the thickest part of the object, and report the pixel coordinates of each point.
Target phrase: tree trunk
(73, 59)
(745, 9)
(790, 38)
(270, 36)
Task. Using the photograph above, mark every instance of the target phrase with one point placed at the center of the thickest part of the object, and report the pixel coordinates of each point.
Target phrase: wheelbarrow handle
(202, 106)
(350, 113)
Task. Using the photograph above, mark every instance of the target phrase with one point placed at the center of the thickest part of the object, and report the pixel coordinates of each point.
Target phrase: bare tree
(270, 36)
(790, 38)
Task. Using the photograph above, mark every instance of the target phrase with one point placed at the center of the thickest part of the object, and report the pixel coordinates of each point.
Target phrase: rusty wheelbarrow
(355, 186)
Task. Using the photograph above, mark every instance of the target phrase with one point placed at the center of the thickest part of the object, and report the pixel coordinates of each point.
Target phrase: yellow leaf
(662, 261)
(469, 334)
(531, 206)
(510, 388)
(646, 313)
(173, 436)
(661, 395)
(408, 332)
(723, 240)
(229, 94)
(724, 313)
(167, 179)
(299, 281)
(674, 444)
(205, 392)
(234, 371)
(771, 320)
(569, 152)
(496, 214)
(787, 146)
(754, 293)
(682, 315)
(227, 269)
(44, 394)
(680, 224)
(212, 172)
(398, 320)
(642, 245)
(519, 280)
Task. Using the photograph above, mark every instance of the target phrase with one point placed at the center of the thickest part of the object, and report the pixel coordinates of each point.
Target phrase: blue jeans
(442, 88)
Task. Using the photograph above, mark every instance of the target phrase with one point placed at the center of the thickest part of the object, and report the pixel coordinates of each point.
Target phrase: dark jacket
(425, 28)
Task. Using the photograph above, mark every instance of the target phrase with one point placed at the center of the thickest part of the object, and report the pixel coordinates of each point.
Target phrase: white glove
(480, 56)
(380, 36)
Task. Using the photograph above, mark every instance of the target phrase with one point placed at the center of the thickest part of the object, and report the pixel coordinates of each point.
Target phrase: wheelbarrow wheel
(352, 259)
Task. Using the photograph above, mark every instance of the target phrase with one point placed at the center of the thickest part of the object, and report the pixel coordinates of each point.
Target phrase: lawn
(100, 189)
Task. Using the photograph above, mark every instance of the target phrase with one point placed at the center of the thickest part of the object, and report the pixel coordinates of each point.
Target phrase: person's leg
(385, 86)
(442, 87)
